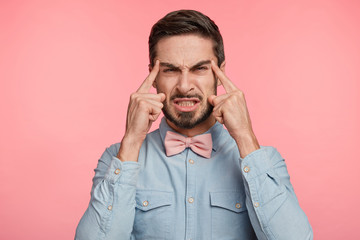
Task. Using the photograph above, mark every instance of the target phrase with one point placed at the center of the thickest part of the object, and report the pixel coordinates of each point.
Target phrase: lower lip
(186, 108)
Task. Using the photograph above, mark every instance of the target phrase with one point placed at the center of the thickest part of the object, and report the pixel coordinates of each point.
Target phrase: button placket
(190, 204)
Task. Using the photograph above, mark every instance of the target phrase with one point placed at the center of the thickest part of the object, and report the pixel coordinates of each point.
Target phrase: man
(191, 178)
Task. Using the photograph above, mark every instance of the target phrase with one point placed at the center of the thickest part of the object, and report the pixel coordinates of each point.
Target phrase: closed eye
(169, 70)
(202, 68)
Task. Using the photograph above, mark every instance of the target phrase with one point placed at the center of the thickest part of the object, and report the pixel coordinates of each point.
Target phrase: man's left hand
(230, 109)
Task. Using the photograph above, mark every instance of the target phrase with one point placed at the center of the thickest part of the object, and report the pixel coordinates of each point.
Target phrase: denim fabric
(186, 196)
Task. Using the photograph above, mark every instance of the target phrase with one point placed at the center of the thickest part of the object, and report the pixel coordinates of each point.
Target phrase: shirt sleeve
(111, 211)
(272, 205)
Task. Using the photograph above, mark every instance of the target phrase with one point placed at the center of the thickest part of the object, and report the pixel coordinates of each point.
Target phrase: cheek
(165, 85)
(207, 84)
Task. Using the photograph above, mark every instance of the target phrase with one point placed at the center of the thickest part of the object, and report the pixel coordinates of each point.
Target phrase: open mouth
(186, 104)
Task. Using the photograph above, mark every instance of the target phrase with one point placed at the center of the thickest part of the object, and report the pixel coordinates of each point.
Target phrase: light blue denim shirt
(186, 196)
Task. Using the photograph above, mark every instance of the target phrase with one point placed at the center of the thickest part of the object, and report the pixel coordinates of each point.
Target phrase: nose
(185, 85)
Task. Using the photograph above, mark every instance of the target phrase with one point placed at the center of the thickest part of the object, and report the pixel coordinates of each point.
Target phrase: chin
(187, 120)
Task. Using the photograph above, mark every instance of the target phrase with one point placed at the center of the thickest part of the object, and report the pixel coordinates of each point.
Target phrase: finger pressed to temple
(148, 82)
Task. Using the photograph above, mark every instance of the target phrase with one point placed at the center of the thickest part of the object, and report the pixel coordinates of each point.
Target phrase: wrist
(133, 140)
(247, 143)
(129, 149)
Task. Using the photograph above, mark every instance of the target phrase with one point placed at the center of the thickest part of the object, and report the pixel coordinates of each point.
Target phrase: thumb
(211, 99)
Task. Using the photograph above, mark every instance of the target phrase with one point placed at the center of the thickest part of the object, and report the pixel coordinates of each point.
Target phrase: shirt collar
(216, 131)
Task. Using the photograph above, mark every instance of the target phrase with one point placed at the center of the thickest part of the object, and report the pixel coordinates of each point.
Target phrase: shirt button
(109, 207)
(256, 204)
(246, 169)
(191, 161)
(145, 203)
(238, 205)
(117, 171)
(191, 200)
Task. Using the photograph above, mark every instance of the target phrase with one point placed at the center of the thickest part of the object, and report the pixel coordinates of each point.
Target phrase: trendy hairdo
(186, 22)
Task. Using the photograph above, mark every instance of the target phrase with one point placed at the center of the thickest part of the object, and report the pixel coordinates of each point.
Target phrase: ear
(150, 68)
(222, 68)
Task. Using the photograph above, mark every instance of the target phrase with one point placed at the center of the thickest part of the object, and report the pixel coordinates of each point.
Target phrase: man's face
(186, 78)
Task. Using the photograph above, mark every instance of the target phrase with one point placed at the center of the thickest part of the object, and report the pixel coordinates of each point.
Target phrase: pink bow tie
(176, 143)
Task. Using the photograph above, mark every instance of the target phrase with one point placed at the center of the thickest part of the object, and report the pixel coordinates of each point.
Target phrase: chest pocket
(229, 216)
(153, 214)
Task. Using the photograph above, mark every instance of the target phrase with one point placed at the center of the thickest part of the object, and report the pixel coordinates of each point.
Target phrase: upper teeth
(186, 103)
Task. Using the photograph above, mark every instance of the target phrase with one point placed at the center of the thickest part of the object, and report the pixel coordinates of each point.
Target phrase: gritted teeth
(180, 101)
(186, 103)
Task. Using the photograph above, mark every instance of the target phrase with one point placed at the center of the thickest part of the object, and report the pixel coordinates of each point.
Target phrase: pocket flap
(150, 199)
(231, 200)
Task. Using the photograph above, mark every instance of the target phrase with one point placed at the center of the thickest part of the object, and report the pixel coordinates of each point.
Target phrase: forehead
(184, 50)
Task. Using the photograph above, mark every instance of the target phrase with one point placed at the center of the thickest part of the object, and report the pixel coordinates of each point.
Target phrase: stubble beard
(187, 120)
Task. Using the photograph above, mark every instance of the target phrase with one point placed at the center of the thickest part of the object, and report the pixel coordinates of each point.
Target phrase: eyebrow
(199, 64)
(170, 65)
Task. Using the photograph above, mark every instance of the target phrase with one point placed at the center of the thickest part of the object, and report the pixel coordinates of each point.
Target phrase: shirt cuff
(122, 172)
(254, 164)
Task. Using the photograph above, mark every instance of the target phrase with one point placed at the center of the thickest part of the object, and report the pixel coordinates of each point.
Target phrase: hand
(230, 109)
(144, 108)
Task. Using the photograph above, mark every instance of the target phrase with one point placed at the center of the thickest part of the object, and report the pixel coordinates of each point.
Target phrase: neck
(198, 129)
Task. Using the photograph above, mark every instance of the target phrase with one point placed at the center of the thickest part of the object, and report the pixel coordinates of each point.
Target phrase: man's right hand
(144, 108)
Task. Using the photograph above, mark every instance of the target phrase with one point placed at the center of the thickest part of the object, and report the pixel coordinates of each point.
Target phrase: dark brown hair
(186, 22)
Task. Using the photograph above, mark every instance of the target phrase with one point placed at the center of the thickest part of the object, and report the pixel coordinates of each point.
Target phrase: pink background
(67, 69)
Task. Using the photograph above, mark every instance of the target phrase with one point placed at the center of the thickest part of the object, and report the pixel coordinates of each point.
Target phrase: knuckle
(142, 103)
(240, 93)
(237, 95)
(217, 113)
(133, 96)
(217, 101)
(157, 110)
(233, 97)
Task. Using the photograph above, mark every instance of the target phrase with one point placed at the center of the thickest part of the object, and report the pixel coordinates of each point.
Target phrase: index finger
(146, 85)
(225, 81)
